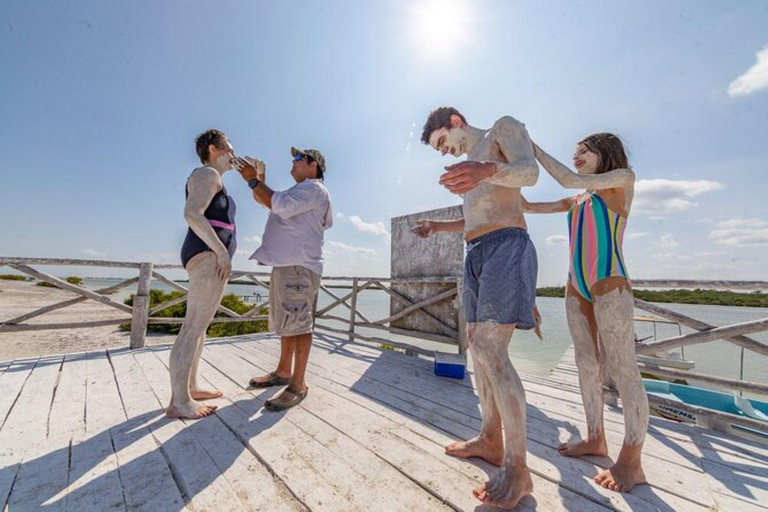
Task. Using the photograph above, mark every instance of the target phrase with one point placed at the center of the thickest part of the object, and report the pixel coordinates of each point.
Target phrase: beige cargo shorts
(292, 292)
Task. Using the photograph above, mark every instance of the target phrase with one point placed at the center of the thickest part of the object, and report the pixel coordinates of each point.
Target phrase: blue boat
(708, 399)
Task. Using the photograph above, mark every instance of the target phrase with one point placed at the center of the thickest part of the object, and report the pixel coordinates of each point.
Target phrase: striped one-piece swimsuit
(596, 235)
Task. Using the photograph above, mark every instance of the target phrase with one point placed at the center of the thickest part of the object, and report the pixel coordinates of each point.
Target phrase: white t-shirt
(295, 227)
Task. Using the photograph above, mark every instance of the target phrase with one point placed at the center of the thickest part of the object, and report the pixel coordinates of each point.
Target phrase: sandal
(287, 399)
(269, 380)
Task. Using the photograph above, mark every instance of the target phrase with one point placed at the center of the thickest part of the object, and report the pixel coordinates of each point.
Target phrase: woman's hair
(610, 150)
(205, 139)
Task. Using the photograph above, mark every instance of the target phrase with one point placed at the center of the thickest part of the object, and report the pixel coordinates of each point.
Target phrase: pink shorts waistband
(219, 224)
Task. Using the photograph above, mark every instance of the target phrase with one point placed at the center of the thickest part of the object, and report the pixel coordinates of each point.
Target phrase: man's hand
(424, 228)
(464, 176)
(250, 168)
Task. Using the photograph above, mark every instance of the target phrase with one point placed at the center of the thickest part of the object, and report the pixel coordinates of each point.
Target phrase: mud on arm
(515, 144)
(617, 178)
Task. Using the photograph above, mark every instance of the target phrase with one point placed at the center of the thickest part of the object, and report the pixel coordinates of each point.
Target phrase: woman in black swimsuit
(207, 256)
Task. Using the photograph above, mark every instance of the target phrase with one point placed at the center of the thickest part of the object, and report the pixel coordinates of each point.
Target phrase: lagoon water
(539, 357)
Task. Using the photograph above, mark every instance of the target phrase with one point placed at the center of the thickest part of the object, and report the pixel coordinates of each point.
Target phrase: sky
(101, 102)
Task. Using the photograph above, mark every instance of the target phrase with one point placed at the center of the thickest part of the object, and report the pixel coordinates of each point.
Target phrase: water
(528, 353)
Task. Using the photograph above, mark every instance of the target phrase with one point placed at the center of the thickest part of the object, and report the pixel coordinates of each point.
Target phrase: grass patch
(71, 280)
(13, 277)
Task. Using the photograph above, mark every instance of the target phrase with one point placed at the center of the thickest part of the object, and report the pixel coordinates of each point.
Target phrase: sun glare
(440, 25)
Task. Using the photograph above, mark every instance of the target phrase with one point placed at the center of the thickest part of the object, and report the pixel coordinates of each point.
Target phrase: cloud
(94, 253)
(357, 251)
(171, 258)
(244, 252)
(669, 256)
(740, 232)
(255, 239)
(661, 197)
(668, 241)
(556, 240)
(752, 80)
(374, 228)
(637, 234)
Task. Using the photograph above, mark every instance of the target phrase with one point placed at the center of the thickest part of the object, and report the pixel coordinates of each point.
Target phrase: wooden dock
(86, 432)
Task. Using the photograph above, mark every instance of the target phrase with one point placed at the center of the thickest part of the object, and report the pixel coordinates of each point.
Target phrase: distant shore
(701, 297)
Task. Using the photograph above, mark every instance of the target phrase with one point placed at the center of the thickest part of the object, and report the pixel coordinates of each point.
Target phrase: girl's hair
(610, 150)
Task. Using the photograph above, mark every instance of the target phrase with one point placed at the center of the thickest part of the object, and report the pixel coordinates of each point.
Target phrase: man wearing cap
(293, 246)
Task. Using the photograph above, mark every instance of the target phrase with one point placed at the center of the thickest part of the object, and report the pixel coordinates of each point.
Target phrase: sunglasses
(299, 157)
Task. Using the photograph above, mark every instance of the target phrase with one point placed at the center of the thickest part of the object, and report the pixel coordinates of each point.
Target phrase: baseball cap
(314, 154)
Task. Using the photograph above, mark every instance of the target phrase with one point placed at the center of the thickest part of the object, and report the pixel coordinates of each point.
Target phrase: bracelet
(253, 183)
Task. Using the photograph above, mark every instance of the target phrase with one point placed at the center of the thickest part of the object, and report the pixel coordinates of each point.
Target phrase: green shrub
(12, 277)
(71, 280)
(698, 296)
(230, 301)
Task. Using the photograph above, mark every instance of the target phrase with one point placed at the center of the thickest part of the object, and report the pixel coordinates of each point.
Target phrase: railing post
(462, 320)
(141, 307)
(353, 310)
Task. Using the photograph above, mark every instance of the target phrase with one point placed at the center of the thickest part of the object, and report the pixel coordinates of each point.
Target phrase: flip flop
(287, 399)
(272, 379)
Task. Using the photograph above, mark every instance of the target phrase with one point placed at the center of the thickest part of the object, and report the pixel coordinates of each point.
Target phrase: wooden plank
(63, 325)
(419, 305)
(404, 408)
(27, 430)
(538, 432)
(375, 339)
(10, 260)
(202, 484)
(387, 481)
(368, 481)
(65, 423)
(12, 382)
(427, 315)
(687, 321)
(749, 485)
(94, 481)
(339, 300)
(72, 288)
(70, 302)
(141, 470)
(695, 338)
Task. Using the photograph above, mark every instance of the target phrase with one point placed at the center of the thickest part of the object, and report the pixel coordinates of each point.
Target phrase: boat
(717, 401)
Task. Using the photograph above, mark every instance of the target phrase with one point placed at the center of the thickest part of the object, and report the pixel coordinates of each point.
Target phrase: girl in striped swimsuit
(599, 301)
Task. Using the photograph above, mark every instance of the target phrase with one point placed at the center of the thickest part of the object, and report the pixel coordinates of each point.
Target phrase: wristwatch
(254, 183)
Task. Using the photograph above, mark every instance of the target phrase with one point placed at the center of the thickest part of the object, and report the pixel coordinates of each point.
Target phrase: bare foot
(506, 488)
(481, 447)
(621, 477)
(202, 394)
(192, 410)
(585, 447)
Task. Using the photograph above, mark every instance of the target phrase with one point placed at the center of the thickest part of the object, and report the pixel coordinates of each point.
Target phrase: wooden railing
(356, 319)
(140, 315)
(704, 333)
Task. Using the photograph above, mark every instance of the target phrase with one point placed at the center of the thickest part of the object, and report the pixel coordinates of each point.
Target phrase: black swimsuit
(221, 214)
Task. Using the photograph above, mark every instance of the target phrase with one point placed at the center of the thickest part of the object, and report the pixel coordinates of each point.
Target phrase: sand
(17, 298)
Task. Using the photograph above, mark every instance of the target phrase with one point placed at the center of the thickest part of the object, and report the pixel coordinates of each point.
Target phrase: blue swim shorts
(500, 272)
